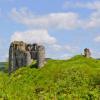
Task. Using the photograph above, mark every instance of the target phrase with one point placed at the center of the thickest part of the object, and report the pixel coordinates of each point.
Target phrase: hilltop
(77, 78)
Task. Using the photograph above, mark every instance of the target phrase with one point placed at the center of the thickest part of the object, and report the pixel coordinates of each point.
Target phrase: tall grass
(75, 79)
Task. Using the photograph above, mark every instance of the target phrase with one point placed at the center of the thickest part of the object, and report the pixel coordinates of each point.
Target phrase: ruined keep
(22, 54)
(87, 53)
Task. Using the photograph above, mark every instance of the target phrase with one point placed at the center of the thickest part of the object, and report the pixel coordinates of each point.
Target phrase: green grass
(75, 79)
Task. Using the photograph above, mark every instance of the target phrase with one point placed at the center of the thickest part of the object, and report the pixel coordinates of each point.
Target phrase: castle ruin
(22, 54)
(87, 53)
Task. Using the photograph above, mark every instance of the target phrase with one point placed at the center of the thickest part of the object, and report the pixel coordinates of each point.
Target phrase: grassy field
(75, 79)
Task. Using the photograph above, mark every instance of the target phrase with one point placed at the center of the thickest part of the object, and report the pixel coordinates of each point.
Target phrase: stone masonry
(87, 53)
(22, 54)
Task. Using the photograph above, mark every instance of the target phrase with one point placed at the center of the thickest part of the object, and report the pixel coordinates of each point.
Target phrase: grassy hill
(75, 79)
(2, 66)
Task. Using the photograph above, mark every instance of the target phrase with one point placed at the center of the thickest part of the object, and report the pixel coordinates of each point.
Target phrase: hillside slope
(75, 79)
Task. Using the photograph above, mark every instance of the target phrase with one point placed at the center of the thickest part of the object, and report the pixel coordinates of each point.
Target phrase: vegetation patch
(75, 79)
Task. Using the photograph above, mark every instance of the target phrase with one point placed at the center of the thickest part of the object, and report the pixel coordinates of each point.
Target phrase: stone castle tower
(22, 54)
(87, 53)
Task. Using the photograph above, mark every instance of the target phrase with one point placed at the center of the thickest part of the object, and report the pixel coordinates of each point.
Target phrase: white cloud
(97, 39)
(42, 37)
(34, 36)
(56, 47)
(64, 48)
(68, 20)
(93, 21)
(95, 53)
(71, 49)
(94, 5)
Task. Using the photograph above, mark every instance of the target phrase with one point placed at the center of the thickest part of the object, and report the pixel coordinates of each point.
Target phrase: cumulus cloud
(68, 20)
(34, 36)
(94, 18)
(42, 36)
(65, 20)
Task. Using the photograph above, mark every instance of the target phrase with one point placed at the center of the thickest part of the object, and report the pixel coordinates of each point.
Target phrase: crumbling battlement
(22, 54)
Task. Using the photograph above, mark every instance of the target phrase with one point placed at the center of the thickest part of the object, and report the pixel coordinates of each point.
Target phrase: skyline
(65, 27)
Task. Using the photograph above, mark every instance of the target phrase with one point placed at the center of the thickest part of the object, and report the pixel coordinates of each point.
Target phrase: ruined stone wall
(22, 54)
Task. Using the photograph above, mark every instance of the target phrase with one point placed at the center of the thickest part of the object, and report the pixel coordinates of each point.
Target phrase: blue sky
(65, 27)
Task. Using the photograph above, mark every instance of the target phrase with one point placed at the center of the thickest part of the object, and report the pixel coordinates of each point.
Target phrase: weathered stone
(41, 56)
(87, 53)
(28, 58)
(22, 54)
